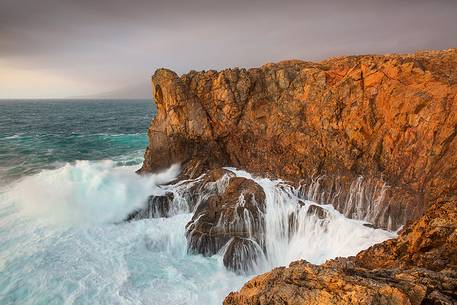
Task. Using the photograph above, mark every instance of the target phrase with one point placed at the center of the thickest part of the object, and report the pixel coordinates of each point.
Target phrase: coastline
(390, 119)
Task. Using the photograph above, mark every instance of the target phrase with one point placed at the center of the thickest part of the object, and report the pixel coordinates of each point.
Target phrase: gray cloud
(117, 43)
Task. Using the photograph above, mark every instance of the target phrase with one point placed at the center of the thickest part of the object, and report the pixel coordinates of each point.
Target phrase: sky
(87, 48)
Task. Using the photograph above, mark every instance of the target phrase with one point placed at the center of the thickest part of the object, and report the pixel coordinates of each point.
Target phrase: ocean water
(67, 180)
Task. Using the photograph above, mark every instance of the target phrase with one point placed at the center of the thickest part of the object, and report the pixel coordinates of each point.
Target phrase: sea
(68, 181)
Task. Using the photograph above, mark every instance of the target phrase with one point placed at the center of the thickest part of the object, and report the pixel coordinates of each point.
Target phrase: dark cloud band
(115, 42)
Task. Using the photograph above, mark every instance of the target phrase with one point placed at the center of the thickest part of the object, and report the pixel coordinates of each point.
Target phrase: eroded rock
(376, 135)
(390, 119)
(242, 255)
(430, 242)
(157, 206)
(233, 212)
(304, 283)
(418, 267)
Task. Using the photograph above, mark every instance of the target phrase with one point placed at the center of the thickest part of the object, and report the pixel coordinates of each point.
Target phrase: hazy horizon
(86, 49)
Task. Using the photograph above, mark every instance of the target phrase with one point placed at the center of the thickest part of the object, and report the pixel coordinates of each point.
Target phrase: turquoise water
(44, 134)
(67, 180)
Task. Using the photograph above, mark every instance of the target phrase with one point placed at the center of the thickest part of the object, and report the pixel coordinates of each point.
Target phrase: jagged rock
(232, 212)
(388, 118)
(418, 267)
(242, 255)
(375, 136)
(304, 283)
(157, 206)
(430, 242)
(208, 184)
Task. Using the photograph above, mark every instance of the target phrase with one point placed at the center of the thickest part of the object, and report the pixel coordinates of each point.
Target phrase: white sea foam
(87, 192)
(311, 238)
(59, 243)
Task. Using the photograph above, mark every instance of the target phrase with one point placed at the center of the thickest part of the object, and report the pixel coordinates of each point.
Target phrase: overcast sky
(61, 48)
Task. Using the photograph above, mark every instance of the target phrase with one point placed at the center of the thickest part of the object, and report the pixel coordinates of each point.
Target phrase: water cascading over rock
(257, 223)
(372, 138)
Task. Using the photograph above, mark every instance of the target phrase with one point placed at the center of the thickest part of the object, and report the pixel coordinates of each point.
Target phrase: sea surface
(67, 181)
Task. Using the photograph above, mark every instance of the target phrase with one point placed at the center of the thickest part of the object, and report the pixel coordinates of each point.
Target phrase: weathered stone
(242, 255)
(418, 267)
(391, 119)
(157, 206)
(430, 242)
(375, 136)
(233, 211)
(303, 283)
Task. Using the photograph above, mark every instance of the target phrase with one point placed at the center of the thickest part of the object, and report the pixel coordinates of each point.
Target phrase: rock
(418, 267)
(430, 242)
(312, 210)
(242, 255)
(232, 212)
(391, 119)
(368, 199)
(157, 206)
(304, 283)
(375, 136)
(317, 211)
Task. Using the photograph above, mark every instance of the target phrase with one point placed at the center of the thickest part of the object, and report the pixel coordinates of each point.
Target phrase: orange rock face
(391, 119)
(303, 283)
(373, 135)
(430, 242)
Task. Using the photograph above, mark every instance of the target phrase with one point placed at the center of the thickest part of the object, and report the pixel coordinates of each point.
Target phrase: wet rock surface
(418, 267)
(375, 136)
(157, 206)
(241, 255)
(230, 215)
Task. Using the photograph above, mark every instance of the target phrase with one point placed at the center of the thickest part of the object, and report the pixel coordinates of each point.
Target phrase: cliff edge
(375, 136)
(384, 123)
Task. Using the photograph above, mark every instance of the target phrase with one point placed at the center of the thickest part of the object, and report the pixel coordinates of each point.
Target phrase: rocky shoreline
(375, 136)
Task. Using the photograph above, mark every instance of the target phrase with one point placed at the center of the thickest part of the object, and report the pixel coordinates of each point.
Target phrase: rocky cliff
(375, 136)
(389, 119)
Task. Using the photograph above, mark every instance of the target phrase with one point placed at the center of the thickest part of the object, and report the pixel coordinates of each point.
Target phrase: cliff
(375, 136)
(389, 119)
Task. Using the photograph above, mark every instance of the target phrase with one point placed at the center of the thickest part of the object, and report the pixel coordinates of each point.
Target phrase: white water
(59, 243)
(313, 239)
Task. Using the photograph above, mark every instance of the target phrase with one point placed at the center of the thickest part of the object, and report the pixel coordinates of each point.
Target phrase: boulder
(157, 206)
(242, 255)
(235, 211)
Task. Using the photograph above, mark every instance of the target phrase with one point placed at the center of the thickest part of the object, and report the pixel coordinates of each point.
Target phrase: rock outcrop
(230, 218)
(375, 136)
(303, 283)
(391, 119)
(430, 242)
(418, 267)
(157, 206)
